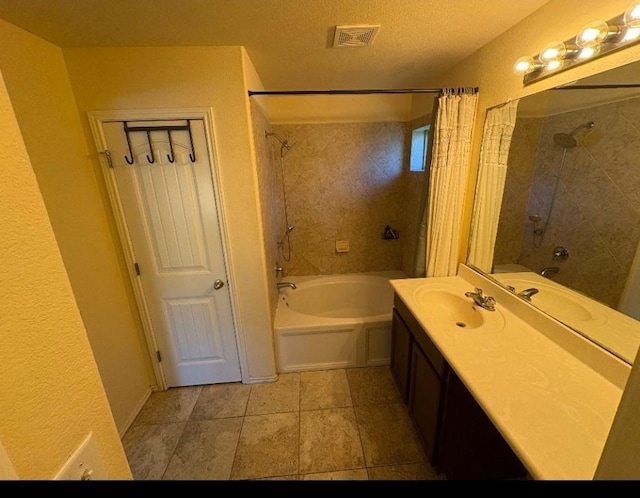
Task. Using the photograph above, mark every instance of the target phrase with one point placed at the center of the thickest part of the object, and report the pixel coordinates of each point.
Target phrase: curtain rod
(357, 92)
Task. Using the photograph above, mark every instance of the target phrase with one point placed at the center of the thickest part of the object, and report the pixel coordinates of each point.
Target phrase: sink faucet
(286, 284)
(486, 302)
(527, 293)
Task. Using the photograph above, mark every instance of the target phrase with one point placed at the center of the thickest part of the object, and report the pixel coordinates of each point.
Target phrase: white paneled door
(164, 188)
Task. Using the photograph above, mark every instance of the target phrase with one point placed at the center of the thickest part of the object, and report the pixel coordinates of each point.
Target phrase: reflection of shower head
(284, 145)
(566, 140)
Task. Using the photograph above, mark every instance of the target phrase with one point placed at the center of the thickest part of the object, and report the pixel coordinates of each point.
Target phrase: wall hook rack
(151, 129)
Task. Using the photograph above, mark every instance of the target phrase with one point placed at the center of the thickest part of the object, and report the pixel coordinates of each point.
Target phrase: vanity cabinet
(459, 439)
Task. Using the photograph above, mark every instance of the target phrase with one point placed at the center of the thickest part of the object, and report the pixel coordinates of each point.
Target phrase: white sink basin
(559, 302)
(452, 309)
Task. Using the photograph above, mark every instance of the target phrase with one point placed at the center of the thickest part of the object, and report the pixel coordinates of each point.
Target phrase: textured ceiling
(289, 41)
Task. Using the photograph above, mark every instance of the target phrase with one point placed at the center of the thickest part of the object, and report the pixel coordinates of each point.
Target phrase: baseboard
(122, 431)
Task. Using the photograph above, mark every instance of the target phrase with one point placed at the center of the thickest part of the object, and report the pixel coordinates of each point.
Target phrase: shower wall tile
(268, 197)
(596, 214)
(342, 181)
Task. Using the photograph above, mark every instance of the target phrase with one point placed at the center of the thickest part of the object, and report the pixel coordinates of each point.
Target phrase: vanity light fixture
(595, 39)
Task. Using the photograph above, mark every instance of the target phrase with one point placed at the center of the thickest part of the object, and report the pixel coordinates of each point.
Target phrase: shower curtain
(440, 230)
(492, 172)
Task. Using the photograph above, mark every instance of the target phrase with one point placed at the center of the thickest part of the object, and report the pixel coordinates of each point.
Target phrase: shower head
(286, 232)
(284, 145)
(566, 140)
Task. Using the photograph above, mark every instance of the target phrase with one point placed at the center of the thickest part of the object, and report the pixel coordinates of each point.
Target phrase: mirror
(569, 224)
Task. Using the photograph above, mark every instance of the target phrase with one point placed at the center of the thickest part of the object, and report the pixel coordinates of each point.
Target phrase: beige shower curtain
(492, 172)
(448, 179)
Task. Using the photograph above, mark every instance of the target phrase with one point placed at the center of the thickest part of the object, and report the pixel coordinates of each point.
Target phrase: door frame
(96, 119)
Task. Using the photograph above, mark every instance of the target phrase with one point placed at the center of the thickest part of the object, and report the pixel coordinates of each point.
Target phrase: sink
(452, 308)
(559, 302)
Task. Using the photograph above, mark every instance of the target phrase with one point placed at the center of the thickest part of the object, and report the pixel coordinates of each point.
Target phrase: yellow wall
(40, 92)
(176, 77)
(490, 68)
(51, 395)
(339, 108)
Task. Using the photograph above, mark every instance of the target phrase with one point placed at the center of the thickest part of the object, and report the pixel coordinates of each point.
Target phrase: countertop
(551, 393)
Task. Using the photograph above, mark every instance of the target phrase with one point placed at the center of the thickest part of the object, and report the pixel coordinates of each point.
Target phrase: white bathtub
(335, 321)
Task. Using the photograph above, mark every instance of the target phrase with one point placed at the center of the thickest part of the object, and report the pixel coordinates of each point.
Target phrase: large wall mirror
(568, 224)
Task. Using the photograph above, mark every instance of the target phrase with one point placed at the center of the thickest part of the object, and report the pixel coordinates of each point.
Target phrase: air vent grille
(354, 36)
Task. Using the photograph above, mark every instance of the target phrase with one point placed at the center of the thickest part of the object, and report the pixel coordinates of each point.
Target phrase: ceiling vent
(354, 36)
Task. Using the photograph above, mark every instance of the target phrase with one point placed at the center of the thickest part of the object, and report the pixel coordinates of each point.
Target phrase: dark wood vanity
(460, 440)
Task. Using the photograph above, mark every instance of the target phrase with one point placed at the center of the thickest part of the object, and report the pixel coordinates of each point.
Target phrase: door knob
(218, 284)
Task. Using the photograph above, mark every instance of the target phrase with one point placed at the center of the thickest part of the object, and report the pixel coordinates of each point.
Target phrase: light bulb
(524, 65)
(632, 15)
(553, 51)
(593, 34)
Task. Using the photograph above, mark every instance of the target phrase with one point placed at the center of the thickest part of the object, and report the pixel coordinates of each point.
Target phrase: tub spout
(286, 284)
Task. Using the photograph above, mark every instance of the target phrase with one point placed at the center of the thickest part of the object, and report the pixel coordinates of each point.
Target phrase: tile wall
(343, 181)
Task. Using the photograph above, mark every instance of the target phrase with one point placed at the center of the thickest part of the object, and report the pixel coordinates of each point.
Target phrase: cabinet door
(425, 388)
(400, 354)
(471, 446)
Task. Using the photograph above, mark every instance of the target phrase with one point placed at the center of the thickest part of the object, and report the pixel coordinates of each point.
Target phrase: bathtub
(335, 321)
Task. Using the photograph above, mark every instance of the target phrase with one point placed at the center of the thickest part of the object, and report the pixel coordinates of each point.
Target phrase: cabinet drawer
(421, 337)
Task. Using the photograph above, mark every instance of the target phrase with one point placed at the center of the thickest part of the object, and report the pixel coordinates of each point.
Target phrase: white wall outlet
(85, 464)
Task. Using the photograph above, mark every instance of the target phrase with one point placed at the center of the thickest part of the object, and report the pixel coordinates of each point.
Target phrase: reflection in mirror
(569, 222)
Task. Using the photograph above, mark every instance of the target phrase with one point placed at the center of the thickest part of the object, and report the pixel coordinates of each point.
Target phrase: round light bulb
(632, 15)
(592, 34)
(553, 51)
(524, 65)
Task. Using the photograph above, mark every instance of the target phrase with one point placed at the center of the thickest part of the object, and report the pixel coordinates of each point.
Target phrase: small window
(419, 143)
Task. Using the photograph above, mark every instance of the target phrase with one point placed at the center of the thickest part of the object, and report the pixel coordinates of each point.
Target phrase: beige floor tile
(268, 446)
(275, 397)
(206, 450)
(372, 385)
(388, 436)
(405, 472)
(324, 389)
(221, 401)
(329, 441)
(149, 448)
(338, 475)
(172, 405)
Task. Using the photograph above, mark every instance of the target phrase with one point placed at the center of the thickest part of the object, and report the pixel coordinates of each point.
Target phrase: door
(163, 183)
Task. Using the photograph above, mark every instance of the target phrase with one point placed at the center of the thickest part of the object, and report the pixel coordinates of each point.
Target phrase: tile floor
(345, 424)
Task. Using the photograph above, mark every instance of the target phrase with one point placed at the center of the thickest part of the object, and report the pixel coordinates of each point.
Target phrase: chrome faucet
(527, 293)
(486, 302)
(550, 271)
(280, 285)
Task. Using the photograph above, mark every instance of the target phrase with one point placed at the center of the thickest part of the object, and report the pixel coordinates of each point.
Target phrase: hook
(171, 156)
(126, 132)
(153, 158)
(192, 154)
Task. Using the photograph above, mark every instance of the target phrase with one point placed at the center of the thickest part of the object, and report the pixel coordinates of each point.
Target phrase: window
(419, 145)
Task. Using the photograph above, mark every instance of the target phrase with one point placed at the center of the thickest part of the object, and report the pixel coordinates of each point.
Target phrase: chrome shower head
(566, 140)
(286, 232)
(284, 144)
